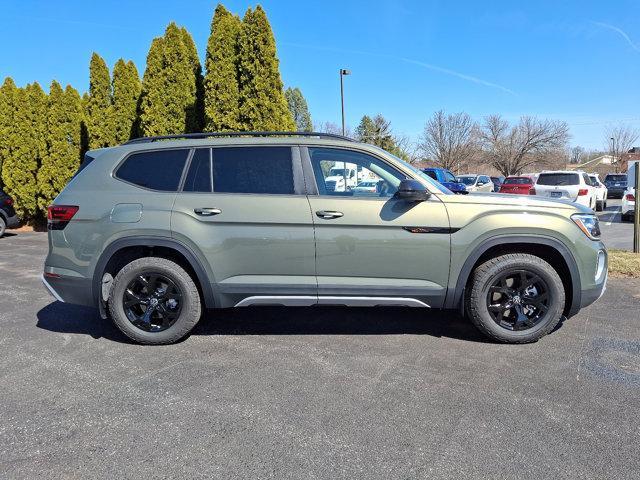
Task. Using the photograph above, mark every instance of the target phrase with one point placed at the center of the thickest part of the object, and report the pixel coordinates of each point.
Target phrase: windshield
(557, 179)
(518, 181)
(471, 180)
(616, 178)
(418, 173)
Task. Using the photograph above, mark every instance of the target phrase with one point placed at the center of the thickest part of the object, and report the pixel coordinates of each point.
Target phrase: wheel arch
(124, 250)
(548, 248)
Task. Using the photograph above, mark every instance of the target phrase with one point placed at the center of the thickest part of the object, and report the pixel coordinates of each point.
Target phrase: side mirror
(411, 190)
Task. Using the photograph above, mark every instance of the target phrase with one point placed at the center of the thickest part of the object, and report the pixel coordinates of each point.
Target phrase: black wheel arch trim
(153, 241)
(455, 299)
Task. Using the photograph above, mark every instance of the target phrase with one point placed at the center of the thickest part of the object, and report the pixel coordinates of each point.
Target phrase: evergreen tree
(377, 131)
(169, 102)
(99, 107)
(262, 102)
(299, 109)
(126, 93)
(27, 145)
(222, 94)
(8, 92)
(63, 143)
(195, 112)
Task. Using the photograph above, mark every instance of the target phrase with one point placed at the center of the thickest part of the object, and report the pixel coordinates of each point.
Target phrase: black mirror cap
(411, 190)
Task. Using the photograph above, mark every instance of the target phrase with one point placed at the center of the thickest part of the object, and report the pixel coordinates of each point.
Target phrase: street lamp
(613, 152)
(343, 72)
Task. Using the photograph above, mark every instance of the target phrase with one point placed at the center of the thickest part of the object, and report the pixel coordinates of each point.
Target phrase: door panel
(256, 244)
(371, 244)
(368, 251)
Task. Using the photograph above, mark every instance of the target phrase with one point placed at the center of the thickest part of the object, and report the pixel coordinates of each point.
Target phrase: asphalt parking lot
(615, 232)
(312, 393)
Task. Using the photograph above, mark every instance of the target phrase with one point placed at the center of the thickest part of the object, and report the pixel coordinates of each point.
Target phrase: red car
(518, 185)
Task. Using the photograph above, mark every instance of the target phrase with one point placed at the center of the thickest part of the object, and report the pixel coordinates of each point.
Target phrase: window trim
(135, 152)
(310, 178)
(185, 174)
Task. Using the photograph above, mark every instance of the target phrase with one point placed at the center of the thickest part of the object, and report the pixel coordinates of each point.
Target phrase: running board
(307, 301)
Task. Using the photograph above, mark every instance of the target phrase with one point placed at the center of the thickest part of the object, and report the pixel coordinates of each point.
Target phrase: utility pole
(343, 72)
(636, 209)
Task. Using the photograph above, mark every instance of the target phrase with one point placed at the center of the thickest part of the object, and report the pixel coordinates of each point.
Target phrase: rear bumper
(74, 290)
(615, 192)
(13, 221)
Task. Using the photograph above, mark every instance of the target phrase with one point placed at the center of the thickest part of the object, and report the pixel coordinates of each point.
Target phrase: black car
(616, 184)
(497, 183)
(8, 217)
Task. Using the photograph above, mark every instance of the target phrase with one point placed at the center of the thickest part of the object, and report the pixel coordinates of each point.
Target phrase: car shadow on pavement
(65, 318)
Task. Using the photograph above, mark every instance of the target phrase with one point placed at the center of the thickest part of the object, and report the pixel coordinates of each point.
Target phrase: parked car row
(575, 186)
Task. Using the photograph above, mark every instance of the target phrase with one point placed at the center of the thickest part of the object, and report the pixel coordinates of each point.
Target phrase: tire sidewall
(3, 226)
(190, 309)
(556, 292)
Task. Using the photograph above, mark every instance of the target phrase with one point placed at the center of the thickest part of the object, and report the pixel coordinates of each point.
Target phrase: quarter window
(267, 170)
(352, 174)
(157, 170)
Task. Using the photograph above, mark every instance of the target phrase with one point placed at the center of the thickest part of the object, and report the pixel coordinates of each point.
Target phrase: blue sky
(577, 61)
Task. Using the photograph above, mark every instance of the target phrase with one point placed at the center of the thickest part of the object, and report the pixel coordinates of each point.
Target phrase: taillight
(582, 192)
(8, 201)
(532, 191)
(631, 197)
(59, 215)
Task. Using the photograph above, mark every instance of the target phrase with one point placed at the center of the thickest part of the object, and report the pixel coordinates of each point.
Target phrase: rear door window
(558, 179)
(157, 170)
(265, 170)
(586, 179)
(199, 176)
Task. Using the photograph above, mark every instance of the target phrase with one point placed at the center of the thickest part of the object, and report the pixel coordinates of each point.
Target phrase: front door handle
(329, 214)
(207, 212)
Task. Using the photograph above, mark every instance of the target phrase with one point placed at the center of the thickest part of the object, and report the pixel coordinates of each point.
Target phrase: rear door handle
(207, 212)
(329, 214)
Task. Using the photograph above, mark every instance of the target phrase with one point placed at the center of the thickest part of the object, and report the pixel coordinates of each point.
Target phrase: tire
(625, 217)
(599, 206)
(3, 226)
(547, 317)
(164, 274)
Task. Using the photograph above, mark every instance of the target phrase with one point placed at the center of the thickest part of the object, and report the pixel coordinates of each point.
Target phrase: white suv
(601, 192)
(567, 185)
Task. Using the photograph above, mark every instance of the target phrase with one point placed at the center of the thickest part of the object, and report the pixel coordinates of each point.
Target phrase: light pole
(613, 153)
(343, 72)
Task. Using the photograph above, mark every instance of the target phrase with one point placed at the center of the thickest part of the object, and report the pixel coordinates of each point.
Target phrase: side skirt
(307, 301)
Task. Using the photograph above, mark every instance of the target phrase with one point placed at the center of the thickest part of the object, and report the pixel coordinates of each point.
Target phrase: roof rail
(187, 136)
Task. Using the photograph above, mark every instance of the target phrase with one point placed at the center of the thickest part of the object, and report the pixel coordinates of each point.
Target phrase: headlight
(589, 224)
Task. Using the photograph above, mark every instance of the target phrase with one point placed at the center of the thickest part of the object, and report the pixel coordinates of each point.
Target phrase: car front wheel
(154, 301)
(3, 226)
(515, 298)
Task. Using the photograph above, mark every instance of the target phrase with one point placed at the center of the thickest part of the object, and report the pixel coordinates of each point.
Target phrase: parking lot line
(613, 215)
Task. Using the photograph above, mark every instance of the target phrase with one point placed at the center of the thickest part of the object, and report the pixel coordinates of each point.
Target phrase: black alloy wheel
(518, 299)
(152, 302)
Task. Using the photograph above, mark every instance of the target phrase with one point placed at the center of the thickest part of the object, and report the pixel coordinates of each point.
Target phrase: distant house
(607, 163)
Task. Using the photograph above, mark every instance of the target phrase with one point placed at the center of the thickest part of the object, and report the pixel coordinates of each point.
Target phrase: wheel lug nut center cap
(516, 300)
(154, 302)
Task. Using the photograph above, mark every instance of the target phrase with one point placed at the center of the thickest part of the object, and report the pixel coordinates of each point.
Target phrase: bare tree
(619, 140)
(577, 154)
(449, 140)
(512, 149)
(333, 128)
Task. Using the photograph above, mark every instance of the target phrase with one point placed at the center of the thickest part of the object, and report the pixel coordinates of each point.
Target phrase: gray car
(155, 231)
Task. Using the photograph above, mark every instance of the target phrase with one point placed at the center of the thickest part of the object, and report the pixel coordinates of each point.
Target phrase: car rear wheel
(515, 298)
(599, 205)
(154, 301)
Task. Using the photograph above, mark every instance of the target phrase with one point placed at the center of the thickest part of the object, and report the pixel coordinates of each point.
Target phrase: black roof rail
(187, 136)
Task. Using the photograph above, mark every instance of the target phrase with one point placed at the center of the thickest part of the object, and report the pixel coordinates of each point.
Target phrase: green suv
(157, 230)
